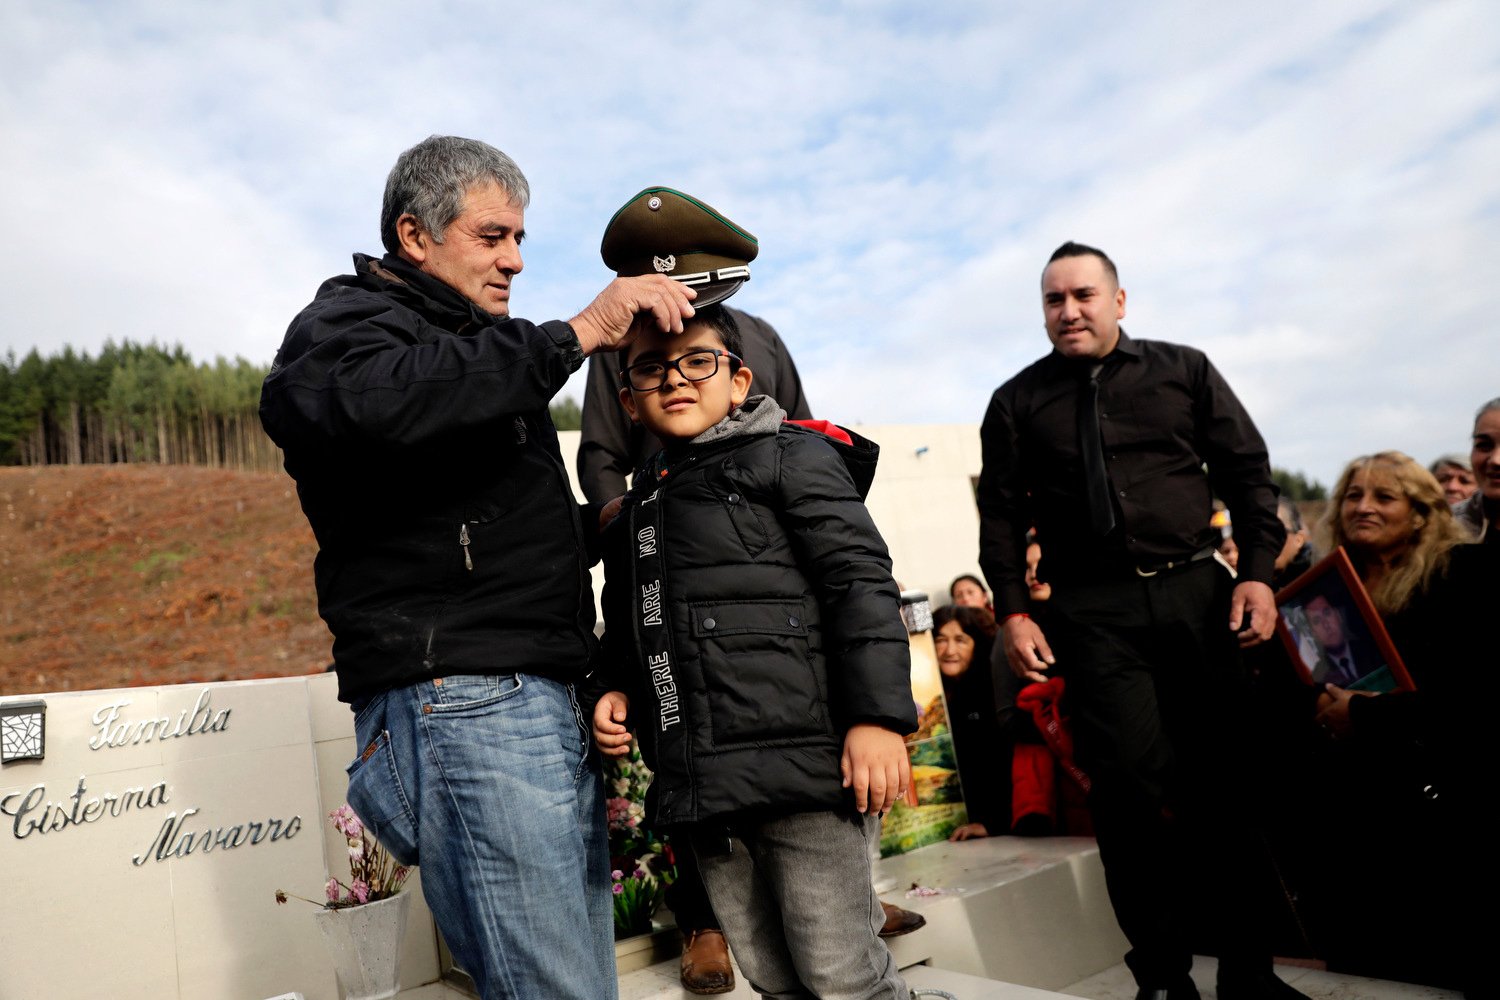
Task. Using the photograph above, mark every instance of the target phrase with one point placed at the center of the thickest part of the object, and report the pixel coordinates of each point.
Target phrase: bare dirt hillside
(113, 576)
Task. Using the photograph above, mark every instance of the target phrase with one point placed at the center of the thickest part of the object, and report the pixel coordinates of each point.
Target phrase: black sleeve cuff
(567, 341)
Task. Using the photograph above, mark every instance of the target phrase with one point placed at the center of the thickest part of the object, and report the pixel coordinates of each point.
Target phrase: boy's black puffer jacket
(784, 619)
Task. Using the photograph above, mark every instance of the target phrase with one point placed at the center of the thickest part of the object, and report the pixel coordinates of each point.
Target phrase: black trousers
(1158, 702)
(686, 897)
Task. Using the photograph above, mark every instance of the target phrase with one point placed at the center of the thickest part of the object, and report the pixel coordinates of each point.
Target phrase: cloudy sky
(1309, 192)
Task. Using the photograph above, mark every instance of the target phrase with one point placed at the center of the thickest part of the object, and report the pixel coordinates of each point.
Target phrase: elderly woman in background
(1481, 510)
(964, 638)
(968, 591)
(1416, 763)
(1455, 476)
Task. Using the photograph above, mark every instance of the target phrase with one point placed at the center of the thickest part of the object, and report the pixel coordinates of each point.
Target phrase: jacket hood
(858, 453)
(756, 415)
(760, 415)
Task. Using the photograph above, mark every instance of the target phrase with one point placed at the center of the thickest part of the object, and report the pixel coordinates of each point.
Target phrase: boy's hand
(610, 511)
(875, 764)
(610, 734)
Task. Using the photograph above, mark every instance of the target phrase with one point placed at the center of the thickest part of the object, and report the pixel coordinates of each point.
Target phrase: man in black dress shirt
(1114, 449)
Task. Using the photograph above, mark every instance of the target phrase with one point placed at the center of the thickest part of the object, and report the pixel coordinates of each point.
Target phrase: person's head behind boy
(679, 385)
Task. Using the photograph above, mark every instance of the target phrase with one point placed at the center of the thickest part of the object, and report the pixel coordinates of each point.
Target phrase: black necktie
(1091, 448)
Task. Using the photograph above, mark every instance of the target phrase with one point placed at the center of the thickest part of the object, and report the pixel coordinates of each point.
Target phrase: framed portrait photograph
(1333, 633)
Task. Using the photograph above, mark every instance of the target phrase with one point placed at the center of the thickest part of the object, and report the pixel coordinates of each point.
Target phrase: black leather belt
(1206, 552)
(1114, 567)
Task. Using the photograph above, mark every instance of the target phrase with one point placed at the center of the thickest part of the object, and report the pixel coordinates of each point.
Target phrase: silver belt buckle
(1150, 573)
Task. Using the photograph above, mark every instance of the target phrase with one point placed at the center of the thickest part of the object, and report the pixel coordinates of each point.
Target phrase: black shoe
(1259, 985)
(1182, 990)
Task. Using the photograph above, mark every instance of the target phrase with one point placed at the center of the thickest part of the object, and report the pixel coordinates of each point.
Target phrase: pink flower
(617, 874)
(356, 851)
(618, 889)
(332, 890)
(345, 822)
(360, 890)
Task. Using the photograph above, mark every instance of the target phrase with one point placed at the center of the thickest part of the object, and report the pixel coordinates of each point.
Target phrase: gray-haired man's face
(481, 250)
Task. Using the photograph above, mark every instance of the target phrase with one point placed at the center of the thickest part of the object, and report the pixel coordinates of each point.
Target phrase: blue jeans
(489, 783)
(793, 896)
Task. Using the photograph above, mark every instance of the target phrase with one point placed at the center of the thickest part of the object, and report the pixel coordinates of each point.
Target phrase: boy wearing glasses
(755, 645)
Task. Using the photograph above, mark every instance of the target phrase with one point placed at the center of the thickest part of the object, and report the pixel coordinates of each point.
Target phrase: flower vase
(365, 942)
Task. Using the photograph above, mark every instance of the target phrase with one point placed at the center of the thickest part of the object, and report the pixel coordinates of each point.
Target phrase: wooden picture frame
(1332, 632)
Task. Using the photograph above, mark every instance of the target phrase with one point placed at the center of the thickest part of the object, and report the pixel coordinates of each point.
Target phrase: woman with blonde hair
(1390, 515)
(1414, 764)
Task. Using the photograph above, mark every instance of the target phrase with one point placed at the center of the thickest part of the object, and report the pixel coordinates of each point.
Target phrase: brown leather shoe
(705, 963)
(899, 921)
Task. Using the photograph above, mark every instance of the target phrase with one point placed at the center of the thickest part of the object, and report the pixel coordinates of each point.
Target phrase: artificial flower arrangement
(642, 865)
(373, 873)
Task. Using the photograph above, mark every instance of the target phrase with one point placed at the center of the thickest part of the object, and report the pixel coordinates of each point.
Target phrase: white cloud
(1307, 192)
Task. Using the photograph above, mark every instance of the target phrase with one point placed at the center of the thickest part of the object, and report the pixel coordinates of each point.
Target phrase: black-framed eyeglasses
(695, 366)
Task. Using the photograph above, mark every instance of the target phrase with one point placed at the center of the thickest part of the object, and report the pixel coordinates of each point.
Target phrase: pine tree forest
(132, 403)
(137, 403)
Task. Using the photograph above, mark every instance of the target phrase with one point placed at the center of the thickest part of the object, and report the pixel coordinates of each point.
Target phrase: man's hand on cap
(606, 324)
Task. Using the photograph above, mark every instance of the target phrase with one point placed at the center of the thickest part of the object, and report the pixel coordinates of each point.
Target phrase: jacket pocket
(458, 694)
(477, 535)
(762, 670)
(743, 516)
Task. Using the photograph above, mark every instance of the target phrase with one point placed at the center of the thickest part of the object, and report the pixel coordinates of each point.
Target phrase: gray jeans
(794, 898)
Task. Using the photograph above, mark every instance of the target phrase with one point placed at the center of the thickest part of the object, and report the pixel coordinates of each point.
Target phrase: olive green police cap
(662, 231)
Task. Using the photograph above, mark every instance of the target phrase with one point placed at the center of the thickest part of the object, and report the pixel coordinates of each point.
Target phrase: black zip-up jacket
(785, 623)
(416, 427)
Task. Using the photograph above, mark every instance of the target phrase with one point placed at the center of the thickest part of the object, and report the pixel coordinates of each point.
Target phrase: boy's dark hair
(1071, 249)
(723, 323)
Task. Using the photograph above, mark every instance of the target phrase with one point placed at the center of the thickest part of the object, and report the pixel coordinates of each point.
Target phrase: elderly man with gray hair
(453, 560)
